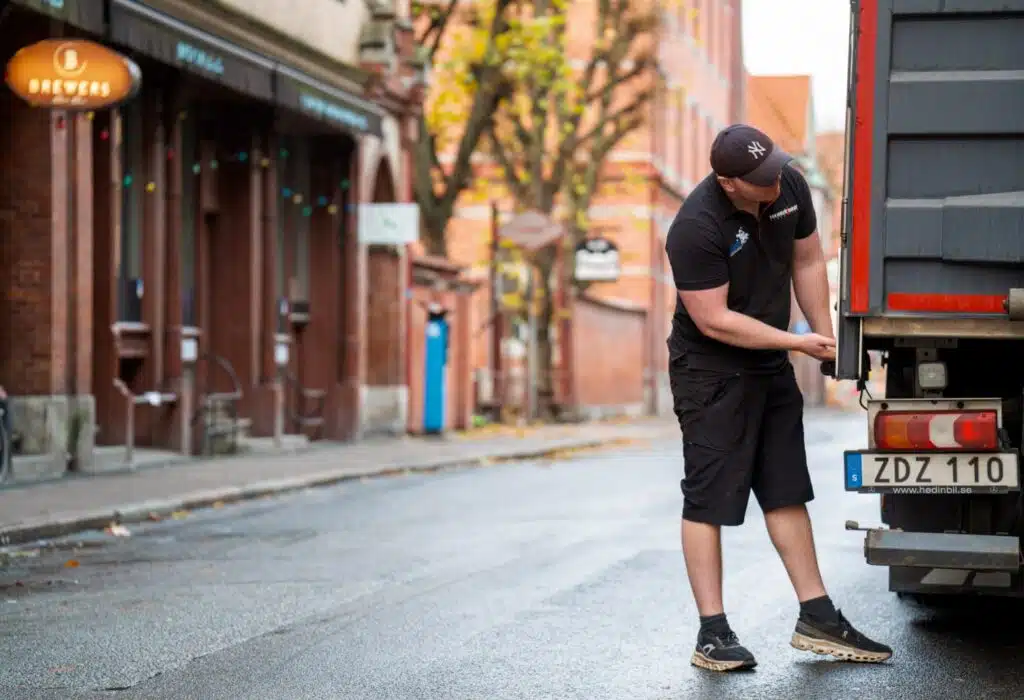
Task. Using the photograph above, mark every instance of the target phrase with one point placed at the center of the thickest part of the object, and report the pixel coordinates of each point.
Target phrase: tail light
(938, 430)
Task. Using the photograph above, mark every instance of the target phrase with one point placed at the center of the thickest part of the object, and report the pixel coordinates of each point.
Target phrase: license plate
(933, 472)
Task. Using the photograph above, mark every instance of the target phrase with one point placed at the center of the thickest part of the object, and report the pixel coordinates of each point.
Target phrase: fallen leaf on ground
(179, 514)
(156, 517)
(218, 504)
(71, 564)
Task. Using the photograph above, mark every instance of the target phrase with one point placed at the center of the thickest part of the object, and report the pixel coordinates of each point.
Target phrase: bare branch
(512, 178)
(433, 34)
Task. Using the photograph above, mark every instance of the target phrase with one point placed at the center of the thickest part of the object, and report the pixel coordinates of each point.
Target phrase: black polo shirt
(711, 242)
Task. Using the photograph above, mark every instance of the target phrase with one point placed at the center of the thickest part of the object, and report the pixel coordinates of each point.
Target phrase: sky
(802, 36)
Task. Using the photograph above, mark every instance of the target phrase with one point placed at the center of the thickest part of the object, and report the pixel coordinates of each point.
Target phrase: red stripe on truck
(960, 303)
(863, 140)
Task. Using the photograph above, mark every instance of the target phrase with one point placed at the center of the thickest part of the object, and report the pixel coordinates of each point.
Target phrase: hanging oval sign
(72, 74)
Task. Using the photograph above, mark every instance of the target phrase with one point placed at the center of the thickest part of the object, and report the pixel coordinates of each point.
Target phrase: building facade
(193, 257)
(699, 89)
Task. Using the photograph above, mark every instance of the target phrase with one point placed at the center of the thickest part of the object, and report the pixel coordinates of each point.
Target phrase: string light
(128, 180)
(322, 201)
(150, 187)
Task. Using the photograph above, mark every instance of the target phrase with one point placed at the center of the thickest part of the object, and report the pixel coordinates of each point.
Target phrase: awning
(176, 43)
(341, 110)
(85, 14)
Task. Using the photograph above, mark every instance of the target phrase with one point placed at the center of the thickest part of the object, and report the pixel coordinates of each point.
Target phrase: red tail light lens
(939, 430)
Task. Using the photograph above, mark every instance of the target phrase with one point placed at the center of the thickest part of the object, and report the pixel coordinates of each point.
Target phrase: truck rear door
(933, 219)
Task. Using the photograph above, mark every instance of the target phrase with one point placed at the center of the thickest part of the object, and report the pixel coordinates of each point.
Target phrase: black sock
(717, 624)
(820, 608)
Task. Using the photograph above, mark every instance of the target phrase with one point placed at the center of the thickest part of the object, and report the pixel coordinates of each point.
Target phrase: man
(745, 234)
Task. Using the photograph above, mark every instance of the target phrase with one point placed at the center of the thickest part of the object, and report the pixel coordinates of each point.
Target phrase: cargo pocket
(709, 406)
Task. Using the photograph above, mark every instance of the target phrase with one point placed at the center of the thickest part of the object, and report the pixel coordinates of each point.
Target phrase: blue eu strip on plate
(854, 479)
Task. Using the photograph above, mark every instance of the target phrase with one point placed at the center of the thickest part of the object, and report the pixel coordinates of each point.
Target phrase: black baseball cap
(743, 152)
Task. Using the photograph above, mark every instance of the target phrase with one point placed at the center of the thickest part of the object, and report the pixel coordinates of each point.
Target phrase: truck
(932, 284)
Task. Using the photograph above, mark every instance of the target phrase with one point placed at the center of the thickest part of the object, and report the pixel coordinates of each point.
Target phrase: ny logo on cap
(755, 149)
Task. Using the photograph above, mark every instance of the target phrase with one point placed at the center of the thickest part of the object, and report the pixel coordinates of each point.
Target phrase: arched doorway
(386, 391)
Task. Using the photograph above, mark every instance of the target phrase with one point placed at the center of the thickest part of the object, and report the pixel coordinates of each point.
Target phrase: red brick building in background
(611, 356)
(218, 206)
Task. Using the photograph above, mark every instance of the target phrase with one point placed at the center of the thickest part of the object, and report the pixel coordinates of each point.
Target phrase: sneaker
(721, 653)
(838, 638)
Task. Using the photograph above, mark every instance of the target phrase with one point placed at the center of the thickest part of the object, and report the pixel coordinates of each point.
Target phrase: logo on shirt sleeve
(741, 240)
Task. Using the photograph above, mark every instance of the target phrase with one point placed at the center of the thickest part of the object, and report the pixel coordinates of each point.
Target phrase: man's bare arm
(709, 310)
(810, 284)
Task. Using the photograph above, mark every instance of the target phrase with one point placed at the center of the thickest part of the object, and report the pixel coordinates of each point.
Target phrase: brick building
(214, 213)
(611, 354)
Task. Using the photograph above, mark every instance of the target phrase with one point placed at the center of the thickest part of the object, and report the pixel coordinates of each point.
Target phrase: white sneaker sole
(837, 651)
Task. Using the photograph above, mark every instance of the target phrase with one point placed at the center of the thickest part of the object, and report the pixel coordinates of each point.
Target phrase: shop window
(293, 220)
(189, 220)
(129, 267)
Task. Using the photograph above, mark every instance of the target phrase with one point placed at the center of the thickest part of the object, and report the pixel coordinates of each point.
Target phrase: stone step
(289, 443)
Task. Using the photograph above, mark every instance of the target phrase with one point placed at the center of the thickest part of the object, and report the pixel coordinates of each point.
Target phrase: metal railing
(150, 398)
(219, 409)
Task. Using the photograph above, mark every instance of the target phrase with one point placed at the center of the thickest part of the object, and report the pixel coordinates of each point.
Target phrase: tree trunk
(434, 224)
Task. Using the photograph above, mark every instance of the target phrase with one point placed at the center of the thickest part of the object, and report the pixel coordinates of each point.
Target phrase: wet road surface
(536, 580)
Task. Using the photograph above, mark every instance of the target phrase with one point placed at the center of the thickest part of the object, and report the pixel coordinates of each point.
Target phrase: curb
(47, 528)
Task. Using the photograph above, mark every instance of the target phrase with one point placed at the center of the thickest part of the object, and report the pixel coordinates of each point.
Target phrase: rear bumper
(942, 550)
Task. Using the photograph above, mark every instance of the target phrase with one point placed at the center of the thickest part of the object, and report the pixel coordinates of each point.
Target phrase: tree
(552, 136)
(468, 85)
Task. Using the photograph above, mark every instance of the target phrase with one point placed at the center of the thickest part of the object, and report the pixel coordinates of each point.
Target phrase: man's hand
(819, 347)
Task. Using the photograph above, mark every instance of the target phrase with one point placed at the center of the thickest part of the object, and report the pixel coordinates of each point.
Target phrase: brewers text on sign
(72, 74)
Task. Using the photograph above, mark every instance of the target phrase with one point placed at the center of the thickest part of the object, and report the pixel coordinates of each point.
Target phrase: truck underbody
(932, 277)
(953, 542)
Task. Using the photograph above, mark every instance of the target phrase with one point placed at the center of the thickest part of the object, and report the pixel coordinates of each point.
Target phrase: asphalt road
(536, 580)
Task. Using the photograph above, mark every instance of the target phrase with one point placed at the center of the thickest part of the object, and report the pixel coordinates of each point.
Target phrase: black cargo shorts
(742, 432)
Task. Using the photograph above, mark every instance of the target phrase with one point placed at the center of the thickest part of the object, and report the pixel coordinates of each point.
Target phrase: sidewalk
(47, 510)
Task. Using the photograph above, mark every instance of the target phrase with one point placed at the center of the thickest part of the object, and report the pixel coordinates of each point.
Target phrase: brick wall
(26, 248)
(608, 353)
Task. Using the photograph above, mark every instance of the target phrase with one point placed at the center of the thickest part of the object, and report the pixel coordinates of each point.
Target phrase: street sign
(72, 74)
(597, 260)
(389, 223)
(531, 231)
